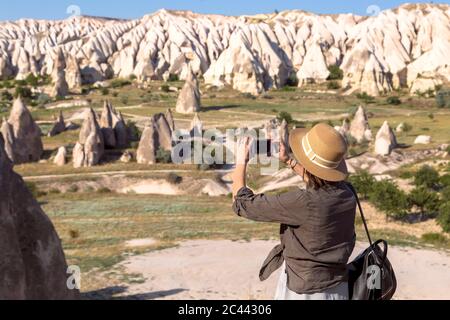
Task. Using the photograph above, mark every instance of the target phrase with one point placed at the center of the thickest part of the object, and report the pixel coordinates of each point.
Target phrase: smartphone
(264, 147)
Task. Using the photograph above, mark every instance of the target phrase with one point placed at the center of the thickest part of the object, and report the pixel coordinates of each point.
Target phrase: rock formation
(126, 157)
(113, 127)
(106, 124)
(73, 74)
(8, 136)
(60, 88)
(33, 263)
(61, 157)
(385, 140)
(170, 119)
(189, 98)
(58, 127)
(284, 133)
(22, 135)
(163, 132)
(422, 140)
(146, 152)
(157, 135)
(398, 47)
(196, 127)
(359, 127)
(90, 146)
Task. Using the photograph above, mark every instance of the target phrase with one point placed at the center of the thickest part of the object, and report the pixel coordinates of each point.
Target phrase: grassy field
(94, 227)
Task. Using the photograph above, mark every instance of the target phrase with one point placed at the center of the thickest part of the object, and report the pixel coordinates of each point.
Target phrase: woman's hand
(242, 159)
(243, 150)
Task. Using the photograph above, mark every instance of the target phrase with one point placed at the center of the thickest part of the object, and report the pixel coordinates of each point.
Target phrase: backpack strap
(352, 189)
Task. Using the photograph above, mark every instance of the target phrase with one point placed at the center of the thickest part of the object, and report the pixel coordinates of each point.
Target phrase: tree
(426, 201)
(387, 197)
(363, 183)
(336, 73)
(443, 218)
(426, 176)
(283, 115)
(23, 92)
(393, 100)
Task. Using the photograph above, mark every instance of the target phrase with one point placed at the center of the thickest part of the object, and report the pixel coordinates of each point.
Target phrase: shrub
(407, 127)
(393, 100)
(445, 180)
(443, 218)
(118, 83)
(363, 183)
(443, 98)
(133, 77)
(163, 156)
(104, 91)
(173, 178)
(445, 193)
(173, 78)
(43, 99)
(23, 92)
(283, 115)
(434, 238)
(248, 95)
(54, 191)
(333, 85)
(32, 80)
(426, 176)
(365, 97)
(387, 197)
(7, 96)
(431, 116)
(292, 81)
(104, 190)
(124, 100)
(165, 88)
(336, 73)
(133, 130)
(426, 201)
(74, 234)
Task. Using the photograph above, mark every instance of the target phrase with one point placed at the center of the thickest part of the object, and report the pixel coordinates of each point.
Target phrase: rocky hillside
(403, 47)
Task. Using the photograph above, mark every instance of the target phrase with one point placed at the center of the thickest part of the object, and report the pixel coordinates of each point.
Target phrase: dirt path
(229, 270)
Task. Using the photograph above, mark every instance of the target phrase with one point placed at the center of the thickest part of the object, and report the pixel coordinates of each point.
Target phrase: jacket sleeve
(285, 208)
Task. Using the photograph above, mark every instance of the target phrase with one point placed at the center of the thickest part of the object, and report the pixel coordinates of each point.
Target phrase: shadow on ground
(115, 293)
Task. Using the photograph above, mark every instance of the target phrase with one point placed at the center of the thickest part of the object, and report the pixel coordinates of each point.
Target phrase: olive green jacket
(317, 233)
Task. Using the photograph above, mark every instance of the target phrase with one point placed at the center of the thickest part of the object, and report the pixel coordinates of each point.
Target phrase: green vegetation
(426, 201)
(333, 85)
(443, 98)
(387, 197)
(283, 115)
(426, 176)
(365, 97)
(363, 183)
(394, 100)
(163, 156)
(444, 216)
(173, 178)
(336, 73)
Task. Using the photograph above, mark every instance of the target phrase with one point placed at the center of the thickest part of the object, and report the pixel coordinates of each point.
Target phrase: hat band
(315, 158)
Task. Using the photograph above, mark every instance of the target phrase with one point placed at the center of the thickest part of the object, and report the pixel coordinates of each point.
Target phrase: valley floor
(222, 269)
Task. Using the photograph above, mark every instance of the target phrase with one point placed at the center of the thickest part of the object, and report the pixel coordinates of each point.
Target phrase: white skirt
(340, 292)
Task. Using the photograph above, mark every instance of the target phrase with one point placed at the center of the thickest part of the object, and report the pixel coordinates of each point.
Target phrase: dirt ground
(229, 270)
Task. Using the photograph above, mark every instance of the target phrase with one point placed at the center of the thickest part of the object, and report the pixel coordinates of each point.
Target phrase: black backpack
(371, 276)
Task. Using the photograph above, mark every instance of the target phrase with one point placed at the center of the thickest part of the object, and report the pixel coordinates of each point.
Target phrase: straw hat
(320, 151)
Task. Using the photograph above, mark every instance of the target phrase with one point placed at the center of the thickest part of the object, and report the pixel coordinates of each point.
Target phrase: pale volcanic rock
(61, 157)
(90, 147)
(60, 88)
(126, 157)
(393, 49)
(163, 132)
(385, 140)
(106, 125)
(359, 127)
(196, 126)
(27, 143)
(33, 263)
(8, 137)
(58, 127)
(170, 119)
(422, 140)
(146, 152)
(189, 97)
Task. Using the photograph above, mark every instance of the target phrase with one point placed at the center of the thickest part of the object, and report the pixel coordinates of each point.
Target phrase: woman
(317, 224)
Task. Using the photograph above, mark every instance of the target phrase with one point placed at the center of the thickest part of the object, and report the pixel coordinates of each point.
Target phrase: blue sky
(57, 9)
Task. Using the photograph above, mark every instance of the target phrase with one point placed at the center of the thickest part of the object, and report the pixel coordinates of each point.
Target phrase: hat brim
(340, 173)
